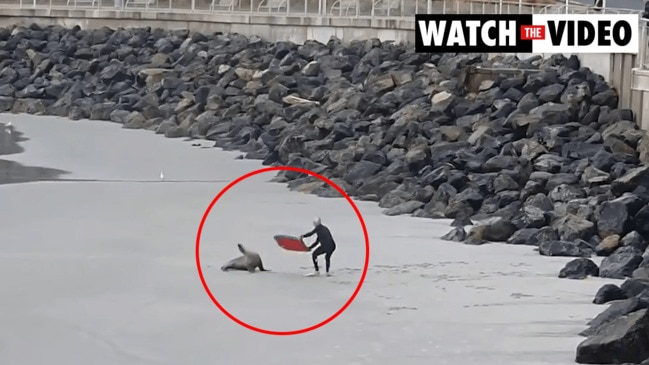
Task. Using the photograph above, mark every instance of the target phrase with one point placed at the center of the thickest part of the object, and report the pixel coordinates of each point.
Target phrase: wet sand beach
(99, 268)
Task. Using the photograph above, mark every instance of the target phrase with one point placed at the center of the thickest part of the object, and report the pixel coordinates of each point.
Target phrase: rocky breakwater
(545, 153)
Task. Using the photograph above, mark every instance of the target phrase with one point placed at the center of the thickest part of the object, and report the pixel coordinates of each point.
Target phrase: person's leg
(328, 261)
(328, 258)
(318, 251)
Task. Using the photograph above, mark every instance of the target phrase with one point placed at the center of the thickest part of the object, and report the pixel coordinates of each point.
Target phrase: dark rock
(606, 98)
(641, 221)
(525, 236)
(609, 293)
(499, 163)
(404, 208)
(6, 103)
(613, 219)
(461, 220)
(577, 248)
(642, 272)
(135, 120)
(616, 310)
(634, 287)
(634, 239)
(621, 263)
(631, 180)
(579, 269)
(457, 234)
(550, 93)
(361, 170)
(572, 227)
(395, 198)
(623, 340)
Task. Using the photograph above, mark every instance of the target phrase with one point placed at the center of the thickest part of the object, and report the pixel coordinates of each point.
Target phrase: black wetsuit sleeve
(310, 233)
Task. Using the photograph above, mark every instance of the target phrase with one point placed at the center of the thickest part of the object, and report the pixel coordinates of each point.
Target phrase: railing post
(639, 62)
(643, 46)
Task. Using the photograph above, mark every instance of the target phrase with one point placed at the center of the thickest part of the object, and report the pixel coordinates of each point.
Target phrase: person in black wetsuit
(326, 241)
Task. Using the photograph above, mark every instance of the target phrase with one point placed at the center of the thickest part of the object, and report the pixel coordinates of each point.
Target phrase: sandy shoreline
(12, 172)
(109, 274)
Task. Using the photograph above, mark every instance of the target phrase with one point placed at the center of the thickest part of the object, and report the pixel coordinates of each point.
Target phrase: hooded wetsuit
(327, 245)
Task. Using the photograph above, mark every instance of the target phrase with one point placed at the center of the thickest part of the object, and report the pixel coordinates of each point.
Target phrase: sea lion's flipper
(261, 266)
(241, 248)
(251, 269)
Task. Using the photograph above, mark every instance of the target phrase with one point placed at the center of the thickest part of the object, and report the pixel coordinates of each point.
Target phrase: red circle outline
(303, 330)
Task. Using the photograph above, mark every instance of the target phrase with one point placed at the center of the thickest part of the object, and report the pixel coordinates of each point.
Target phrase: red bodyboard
(291, 243)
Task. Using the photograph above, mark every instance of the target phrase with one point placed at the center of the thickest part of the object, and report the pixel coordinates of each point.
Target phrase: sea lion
(249, 261)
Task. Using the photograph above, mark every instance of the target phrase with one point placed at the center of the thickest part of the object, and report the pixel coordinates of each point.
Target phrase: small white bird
(162, 176)
(9, 124)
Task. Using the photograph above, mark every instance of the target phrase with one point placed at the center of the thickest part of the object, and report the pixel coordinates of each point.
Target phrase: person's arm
(309, 234)
(317, 241)
(314, 244)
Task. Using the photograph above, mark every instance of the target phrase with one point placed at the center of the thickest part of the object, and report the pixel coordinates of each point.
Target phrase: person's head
(316, 221)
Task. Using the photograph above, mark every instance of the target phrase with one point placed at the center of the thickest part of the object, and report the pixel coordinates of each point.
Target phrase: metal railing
(642, 60)
(572, 9)
(330, 8)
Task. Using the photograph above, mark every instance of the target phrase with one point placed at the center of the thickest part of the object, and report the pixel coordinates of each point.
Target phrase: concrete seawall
(296, 28)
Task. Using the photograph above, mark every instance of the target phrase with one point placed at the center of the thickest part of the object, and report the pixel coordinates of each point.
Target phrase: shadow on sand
(13, 172)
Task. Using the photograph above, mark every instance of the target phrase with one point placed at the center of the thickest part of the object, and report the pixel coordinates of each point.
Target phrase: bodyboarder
(326, 242)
